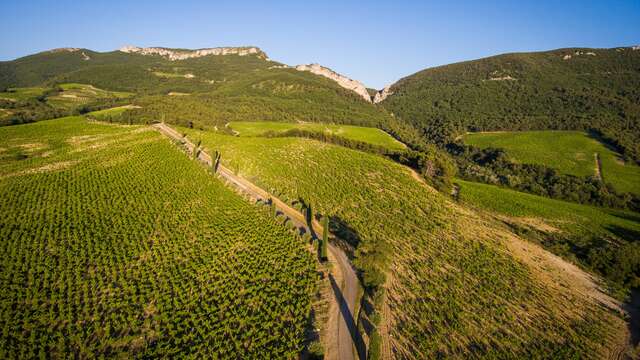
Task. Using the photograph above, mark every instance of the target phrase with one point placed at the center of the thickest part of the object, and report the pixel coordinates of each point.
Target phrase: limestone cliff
(345, 82)
(66, 49)
(180, 54)
(382, 94)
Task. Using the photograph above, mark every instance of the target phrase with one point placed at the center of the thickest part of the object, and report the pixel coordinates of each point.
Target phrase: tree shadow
(307, 212)
(632, 307)
(366, 310)
(344, 234)
(593, 134)
(625, 233)
(624, 215)
(356, 337)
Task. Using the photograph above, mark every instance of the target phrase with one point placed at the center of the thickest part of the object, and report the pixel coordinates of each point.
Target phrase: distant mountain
(223, 84)
(576, 88)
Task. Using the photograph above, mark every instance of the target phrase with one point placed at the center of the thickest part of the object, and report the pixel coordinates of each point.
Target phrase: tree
(325, 238)
(216, 162)
(309, 214)
(273, 207)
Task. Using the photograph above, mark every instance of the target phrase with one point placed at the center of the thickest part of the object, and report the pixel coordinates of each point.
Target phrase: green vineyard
(456, 289)
(115, 244)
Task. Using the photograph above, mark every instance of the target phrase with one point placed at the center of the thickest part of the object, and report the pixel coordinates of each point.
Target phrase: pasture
(570, 152)
(365, 134)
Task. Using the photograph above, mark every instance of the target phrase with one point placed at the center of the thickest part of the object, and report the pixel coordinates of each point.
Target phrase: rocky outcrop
(503, 78)
(345, 82)
(382, 94)
(637, 47)
(578, 53)
(175, 54)
(67, 49)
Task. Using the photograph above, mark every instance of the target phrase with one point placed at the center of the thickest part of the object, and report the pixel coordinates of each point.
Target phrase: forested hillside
(208, 90)
(566, 89)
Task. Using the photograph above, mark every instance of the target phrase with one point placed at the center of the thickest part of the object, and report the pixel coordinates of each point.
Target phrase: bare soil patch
(61, 165)
(33, 146)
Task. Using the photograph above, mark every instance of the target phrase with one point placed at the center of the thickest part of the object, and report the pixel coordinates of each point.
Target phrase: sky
(374, 42)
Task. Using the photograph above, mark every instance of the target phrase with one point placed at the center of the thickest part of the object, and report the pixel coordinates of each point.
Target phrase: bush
(375, 345)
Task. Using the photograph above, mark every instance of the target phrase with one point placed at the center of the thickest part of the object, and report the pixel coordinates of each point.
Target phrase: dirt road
(598, 168)
(349, 342)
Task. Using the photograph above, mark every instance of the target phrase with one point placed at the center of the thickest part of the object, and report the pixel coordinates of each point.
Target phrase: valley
(215, 203)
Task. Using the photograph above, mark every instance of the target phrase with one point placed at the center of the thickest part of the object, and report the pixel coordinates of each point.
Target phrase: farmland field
(570, 152)
(111, 112)
(365, 134)
(114, 244)
(453, 287)
(73, 94)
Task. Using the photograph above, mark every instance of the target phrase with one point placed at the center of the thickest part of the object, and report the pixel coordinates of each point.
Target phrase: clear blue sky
(375, 42)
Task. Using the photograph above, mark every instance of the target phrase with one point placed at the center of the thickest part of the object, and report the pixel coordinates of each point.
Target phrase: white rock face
(345, 82)
(637, 47)
(579, 53)
(503, 78)
(382, 94)
(174, 55)
(68, 49)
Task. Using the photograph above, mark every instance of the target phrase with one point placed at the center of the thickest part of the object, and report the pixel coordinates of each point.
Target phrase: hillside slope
(565, 89)
(216, 85)
(116, 245)
(449, 283)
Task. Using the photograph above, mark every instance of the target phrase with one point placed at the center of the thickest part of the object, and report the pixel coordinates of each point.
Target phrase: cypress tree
(325, 238)
(273, 207)
(214, 161)
(309, 214)
(217, 162)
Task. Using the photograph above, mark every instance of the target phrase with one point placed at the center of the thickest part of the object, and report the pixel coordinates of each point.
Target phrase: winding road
(349, 341)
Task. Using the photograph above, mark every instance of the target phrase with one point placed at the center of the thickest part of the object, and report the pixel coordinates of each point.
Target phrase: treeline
(27, 111)
(434, 165)
(493, 166)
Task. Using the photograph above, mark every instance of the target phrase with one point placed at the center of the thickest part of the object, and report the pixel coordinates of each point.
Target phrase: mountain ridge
(183, 54)
(562, 89)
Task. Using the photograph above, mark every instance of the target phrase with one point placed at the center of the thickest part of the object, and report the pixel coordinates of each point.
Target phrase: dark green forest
(566, 89)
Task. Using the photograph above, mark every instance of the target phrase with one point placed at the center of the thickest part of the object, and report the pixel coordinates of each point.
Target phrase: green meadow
(570, 152)
(365, 134)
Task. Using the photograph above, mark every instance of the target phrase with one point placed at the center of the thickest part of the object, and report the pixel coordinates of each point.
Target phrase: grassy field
(572, 217)
(365, 134)
(112, 112)
(571, 152)
(453, 289)
(601, 239)
(115, 244)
